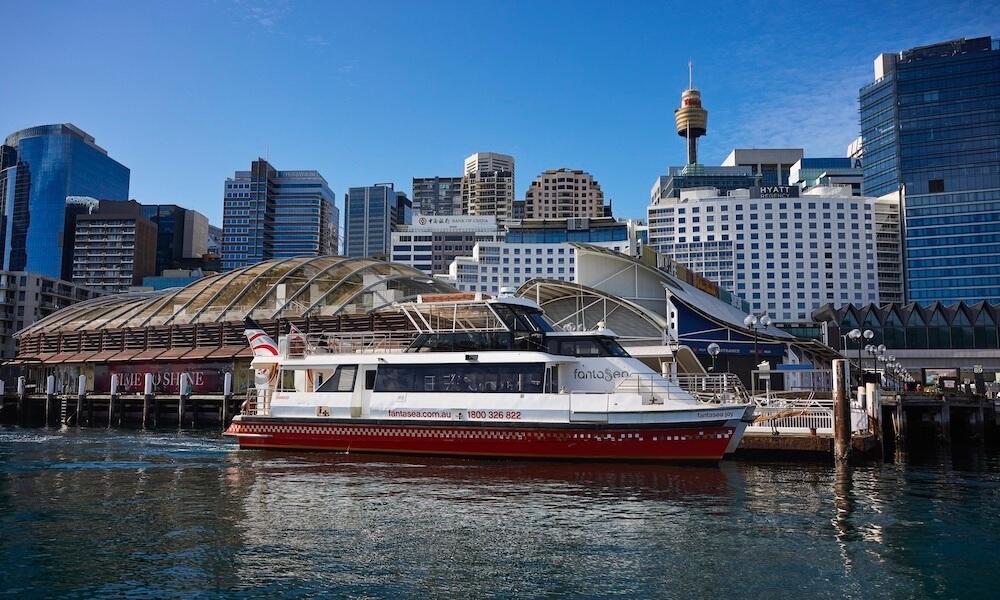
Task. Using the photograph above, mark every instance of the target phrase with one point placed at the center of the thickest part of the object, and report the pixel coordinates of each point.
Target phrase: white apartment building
(785, 254)
(564, 194)
(488, 185)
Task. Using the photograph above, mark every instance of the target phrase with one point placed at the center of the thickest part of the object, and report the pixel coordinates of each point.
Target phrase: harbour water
(94, 513)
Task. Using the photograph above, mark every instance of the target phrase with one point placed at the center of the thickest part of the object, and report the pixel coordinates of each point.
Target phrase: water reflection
(86, 513)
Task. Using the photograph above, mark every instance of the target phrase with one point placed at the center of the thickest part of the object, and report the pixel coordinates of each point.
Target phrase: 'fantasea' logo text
(606, 374)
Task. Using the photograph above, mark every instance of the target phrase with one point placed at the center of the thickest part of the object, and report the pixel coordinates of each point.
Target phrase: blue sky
(184, 93)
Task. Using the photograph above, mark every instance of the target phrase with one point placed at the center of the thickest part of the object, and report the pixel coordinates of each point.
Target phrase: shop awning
(173, 353)
(103, 356)
(198, 353)
(230, 352)
(148, 354)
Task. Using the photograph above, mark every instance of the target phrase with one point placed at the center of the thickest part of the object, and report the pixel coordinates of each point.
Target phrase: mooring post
(81, 394)
(147, 400)
(978, 422)
(945, 420)
(841, 413)
(185, 393)
(227, 399)
(22, 402)
(112, 400)
(50, 399)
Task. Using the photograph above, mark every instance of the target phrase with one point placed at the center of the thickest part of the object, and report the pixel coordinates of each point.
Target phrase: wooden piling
(841, 413)
(944, 421)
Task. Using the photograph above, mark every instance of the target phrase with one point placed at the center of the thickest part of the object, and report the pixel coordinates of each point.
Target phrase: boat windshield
(590, 345)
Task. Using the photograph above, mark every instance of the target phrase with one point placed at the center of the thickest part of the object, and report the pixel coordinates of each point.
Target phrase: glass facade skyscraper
(40, 168)
(271, 214)
(371, 215)
(930, 125)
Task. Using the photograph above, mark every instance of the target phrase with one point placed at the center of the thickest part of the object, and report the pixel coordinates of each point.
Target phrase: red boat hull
(585, 441)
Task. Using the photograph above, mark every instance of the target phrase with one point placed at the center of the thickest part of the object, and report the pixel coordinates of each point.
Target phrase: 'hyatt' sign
(775, 191)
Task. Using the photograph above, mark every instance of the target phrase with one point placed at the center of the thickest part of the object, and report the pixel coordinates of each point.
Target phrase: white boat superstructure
(478, 376)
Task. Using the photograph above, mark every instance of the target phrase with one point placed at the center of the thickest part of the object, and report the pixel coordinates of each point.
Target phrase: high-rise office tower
(181, 234)
(929, 128)
(40, 167)
(371, 214)
(437, 196)
(564, 194)
(273, 214)
(488, 185)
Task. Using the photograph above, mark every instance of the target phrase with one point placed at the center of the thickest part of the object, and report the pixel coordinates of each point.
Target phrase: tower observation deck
(691, 118)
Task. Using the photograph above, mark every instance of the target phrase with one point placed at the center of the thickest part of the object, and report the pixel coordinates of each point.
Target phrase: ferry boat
(476, 377)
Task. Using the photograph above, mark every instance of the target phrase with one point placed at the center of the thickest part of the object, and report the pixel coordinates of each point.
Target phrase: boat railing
(714, 388)
(349, 343)
(792, 419)
(258, 402)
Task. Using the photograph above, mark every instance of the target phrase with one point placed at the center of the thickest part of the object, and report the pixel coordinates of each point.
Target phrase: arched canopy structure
(287, 289)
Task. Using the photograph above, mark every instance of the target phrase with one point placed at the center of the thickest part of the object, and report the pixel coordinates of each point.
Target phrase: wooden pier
(104, 410)
(922, 418)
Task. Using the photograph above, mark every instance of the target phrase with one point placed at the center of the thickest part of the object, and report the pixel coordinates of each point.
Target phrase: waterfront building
(771, 165)
(564, 194)
(437, 196)
(371, 214)
(488, 185)
(959, 336)
(273, 214)
(659, 311)
(199, 329)
(538, 248)
(181, 234)
(114, 247)
(786, 253)
(432, 242)
(929, 127)
(40, 167)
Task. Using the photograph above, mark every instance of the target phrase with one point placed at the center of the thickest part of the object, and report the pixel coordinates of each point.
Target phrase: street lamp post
(751, 321)
(714, 350)
(674, 345)
(855, 334)
(868, 335)
(879, 355)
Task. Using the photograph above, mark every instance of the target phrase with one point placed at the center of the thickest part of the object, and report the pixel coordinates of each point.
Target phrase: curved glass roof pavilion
(293, 288)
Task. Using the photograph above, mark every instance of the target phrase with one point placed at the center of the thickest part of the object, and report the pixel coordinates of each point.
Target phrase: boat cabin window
(586, 346)
(463, 341)
(486, 378)
(342, 380)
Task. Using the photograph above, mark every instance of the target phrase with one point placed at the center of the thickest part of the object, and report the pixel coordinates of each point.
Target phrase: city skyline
(324, 87)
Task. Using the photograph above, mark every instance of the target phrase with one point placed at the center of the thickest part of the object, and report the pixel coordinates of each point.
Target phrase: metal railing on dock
(714, 388)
